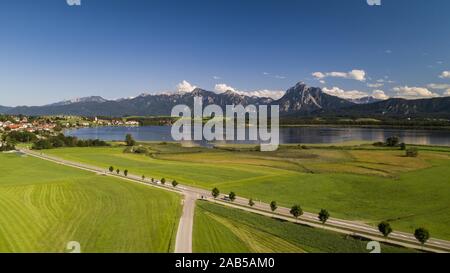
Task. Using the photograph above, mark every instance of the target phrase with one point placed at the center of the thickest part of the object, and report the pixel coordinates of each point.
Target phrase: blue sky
(50, 51)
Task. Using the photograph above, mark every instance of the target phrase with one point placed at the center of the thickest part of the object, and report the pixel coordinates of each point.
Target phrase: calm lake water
(310, 135)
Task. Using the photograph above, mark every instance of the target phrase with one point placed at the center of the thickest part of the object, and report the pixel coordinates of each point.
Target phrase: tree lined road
(184, 234)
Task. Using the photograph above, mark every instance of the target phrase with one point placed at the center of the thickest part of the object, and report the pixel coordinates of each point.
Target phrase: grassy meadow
(354, 181)
(43, 206)
(218, 229)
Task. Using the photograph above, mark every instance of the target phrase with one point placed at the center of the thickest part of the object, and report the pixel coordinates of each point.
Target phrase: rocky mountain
(304, 99)
(300, 100)
(396, 107)
(97, 99)
(364, 100)
(143, 105)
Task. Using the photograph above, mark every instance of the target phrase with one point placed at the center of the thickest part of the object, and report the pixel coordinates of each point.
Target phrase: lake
(310, 135)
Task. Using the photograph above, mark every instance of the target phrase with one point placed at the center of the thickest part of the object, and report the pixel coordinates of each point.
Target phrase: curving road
(184, 235)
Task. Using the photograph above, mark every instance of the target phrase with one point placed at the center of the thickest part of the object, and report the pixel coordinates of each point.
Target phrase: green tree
(111, 169)
(163, 181)
(232, 196)
(215, 193)
(392, 141)
(296, 211)
(118, 171)
(422, 235)
(143, 177)
(385, 229)
(324, 215)
(129, 140)
(402, 146)
(251, 203)
(273, 206)
(174, 183)
(125, 172)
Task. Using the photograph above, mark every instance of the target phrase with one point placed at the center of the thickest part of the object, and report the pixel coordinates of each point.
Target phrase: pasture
(218, 229)
(43, 206)
(355, 181)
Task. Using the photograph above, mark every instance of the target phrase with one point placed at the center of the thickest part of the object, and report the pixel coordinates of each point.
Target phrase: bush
(6, 146)
(412, 152)
(130, 140)
(392, 141)
(402, 146)
(42, 144)
(378, 144)
(141, 150)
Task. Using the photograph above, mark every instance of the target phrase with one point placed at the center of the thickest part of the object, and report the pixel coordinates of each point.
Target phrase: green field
(218, 229)
(43, 206)
(356, 182)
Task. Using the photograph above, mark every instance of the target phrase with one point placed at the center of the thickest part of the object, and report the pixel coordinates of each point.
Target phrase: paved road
(338, 225)
(183, 242)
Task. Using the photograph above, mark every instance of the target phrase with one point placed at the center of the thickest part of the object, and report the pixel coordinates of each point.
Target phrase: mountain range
(299, 100)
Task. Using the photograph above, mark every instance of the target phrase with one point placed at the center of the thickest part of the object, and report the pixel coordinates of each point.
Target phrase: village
(57, 123)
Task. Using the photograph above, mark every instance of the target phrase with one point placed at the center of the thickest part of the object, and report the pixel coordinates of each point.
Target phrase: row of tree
(421, 234)
(66, 141)
(125, 173)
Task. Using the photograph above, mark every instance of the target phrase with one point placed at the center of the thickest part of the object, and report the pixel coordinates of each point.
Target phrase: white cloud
(355, 94)
(217, 78)
(379, 94)
(388, 51)
(279, 77)
(375, 85)
(274, 94)
(447, 93)
(439, 86)
(185, 86)
(445, 75)
(385, 80)
(338, 92)
(358, 75)
(414, 92)
(221, 88)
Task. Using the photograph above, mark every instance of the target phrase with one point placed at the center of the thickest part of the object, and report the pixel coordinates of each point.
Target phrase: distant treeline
(66, 141)
(153, 121)
(413, 123)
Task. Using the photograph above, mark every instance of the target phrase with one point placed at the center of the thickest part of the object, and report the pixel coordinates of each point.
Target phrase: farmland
(218, 229)
(43, 206)
(357, 182)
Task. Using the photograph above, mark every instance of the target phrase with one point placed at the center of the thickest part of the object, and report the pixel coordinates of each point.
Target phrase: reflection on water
(287, 135)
